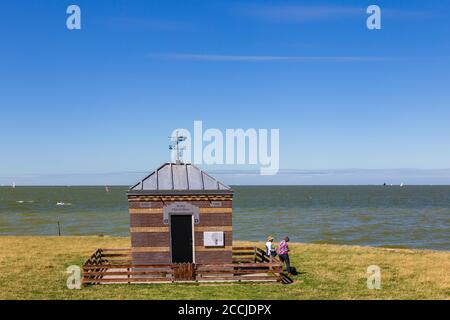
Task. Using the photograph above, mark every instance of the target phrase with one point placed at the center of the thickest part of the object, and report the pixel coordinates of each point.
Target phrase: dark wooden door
(181, 236)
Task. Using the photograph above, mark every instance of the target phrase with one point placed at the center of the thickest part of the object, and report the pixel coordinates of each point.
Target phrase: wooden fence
(115, 266)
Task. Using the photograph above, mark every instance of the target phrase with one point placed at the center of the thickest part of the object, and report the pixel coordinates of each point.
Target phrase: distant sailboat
(14, 185)
(106, 189)
(401, 184)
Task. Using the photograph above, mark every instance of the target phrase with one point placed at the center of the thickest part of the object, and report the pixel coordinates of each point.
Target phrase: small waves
(63, 204)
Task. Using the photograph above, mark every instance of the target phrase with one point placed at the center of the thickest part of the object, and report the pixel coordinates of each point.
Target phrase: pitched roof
(179, 178)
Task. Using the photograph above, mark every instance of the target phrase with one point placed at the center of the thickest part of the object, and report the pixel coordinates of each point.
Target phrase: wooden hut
(180, 214)
(181, 230)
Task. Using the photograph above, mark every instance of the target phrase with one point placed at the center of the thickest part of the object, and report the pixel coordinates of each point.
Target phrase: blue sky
(105, 98)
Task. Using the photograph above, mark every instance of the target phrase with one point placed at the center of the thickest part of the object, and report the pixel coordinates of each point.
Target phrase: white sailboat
(14, 185)
(106, 189)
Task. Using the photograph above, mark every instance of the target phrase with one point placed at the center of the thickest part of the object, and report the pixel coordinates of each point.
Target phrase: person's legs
(284, 258)
(288, 264)
(272, 256)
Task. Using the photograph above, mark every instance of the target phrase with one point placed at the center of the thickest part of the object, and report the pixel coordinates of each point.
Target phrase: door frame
(192, 231)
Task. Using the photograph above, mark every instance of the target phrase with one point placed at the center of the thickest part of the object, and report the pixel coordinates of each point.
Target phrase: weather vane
(175, 145)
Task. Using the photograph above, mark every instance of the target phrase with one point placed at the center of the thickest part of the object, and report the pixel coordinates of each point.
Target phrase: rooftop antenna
(175, 145)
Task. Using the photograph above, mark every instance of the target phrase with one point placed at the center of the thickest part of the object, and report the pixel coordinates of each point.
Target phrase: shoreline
(241, 242)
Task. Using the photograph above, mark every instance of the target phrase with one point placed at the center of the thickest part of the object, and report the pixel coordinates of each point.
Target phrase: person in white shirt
(271, 251)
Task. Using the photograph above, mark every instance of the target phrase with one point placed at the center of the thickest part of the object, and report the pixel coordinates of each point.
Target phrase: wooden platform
(114, 266)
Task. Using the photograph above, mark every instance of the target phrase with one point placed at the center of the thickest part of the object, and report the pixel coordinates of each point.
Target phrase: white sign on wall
(213, 239)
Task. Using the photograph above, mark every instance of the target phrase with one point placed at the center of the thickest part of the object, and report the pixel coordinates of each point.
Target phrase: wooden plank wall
(150, 237)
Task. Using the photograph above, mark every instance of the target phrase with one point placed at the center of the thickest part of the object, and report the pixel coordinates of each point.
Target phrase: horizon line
(225, 171)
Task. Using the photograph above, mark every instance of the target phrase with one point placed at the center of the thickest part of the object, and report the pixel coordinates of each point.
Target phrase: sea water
(388, 216)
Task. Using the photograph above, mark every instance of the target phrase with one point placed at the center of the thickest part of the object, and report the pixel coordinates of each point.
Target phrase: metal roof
(179, 178)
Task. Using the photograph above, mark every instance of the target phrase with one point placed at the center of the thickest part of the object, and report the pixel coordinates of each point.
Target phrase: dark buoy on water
(59, 229)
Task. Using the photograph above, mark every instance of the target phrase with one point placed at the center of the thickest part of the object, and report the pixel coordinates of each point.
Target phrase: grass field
(34, 268)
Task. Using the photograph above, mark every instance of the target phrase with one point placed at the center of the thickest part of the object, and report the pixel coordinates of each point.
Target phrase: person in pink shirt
(283, 253)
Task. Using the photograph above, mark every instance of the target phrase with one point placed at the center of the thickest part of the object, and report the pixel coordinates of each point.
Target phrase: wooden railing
(96, 265)
(115, 266)
(239, 272)
(244, 254)
(260, 256)
(116, 256)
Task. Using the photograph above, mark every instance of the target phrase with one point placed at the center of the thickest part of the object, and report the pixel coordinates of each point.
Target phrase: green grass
(34, 268)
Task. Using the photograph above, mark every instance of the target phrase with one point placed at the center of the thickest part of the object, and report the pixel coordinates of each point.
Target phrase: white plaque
(181, 208)
(213, 239)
